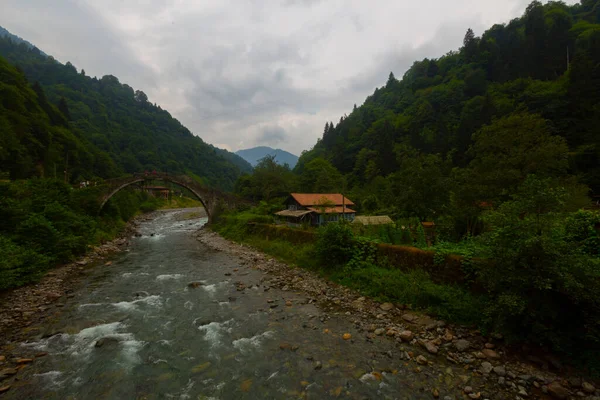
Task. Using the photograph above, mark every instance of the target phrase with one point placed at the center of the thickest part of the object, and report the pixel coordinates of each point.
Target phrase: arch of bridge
(206, 196)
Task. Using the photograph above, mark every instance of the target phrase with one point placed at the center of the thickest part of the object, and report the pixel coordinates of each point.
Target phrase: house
(316, 208)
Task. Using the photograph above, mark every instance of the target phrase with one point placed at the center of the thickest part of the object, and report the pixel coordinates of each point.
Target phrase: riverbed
(174, 318)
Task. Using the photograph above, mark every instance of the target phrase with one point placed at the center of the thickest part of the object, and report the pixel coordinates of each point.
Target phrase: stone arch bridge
(211, 199)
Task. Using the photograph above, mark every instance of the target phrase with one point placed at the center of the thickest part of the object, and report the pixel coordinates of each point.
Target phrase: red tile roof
(332, 210)
(313, 199)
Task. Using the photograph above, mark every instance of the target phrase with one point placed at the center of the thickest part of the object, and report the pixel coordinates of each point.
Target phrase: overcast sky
(243, 73)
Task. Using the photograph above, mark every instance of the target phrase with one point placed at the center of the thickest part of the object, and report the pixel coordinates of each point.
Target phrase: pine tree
(391, 80)
(469, 48)
(64, 108)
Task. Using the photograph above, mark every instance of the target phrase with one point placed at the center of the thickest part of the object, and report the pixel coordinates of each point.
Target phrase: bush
(545, 280)
(19, 265)
(416, 289)
(334, 244)
(45, 221)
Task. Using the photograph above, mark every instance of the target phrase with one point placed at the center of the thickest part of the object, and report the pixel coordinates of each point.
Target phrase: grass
(414, 288)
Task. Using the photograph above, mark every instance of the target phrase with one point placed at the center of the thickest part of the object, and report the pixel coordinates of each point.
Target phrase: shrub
(334, 244)
(19, 265)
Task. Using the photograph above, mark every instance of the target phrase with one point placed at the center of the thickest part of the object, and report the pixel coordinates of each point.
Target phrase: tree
(319, 176)
(421, 183)
(470, 46)
(543, 287)
(141, 97)
(269, 181)
(511, 148)
(391, 80)
(64, 108)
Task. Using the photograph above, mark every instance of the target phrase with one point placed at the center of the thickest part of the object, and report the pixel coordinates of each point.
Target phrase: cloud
(260, 72)
(271, 136)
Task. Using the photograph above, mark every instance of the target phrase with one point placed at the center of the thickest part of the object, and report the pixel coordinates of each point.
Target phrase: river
(174, 319)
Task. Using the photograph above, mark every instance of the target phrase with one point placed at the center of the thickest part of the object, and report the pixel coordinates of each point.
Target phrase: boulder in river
(106, 341)
(195, 285)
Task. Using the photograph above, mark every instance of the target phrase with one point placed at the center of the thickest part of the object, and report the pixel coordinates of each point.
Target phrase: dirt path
(487, 368)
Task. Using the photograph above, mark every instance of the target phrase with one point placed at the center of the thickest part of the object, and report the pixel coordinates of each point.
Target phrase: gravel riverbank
(486, 367)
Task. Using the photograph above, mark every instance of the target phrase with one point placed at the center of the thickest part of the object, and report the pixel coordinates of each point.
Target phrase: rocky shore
(22, 310)
(487, 367)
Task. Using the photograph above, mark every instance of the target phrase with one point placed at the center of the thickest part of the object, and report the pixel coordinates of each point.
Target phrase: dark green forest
(113, 128)
(460, 133)
(498, 144)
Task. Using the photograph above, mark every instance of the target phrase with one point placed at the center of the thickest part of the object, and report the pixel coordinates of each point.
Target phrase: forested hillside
(36, 138)
(459, 133)
(121, 123)
(498, 145)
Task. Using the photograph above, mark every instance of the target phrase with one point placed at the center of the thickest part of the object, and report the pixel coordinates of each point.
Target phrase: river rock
(106, 341)
(588, 387)
(557, 391)
(2, 358)
(386, 306)
(195, 285)
(406, 336)
(4, 388)
(318, 365)
(409, 317)
(486, 367)
(347, 336)
(24, 360)
(500, 371)
(432, 348)
(421, 360)
(522, 391)
(201, 367)
(462, 345)
(6, 372)
(468, 389)
(379, 331)
(491, 354)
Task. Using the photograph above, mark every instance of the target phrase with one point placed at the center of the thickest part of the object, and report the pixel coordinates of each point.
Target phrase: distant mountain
(255, 154)
(17, 40)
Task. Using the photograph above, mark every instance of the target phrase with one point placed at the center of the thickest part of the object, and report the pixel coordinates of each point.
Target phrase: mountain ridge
(254, 154)
(121, 122)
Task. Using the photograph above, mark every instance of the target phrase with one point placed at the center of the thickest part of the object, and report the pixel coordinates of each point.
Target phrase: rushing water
(136, 330)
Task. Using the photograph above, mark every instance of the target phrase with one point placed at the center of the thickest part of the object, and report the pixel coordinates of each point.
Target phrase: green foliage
(457, 135)
(543, 280)
(415, 288)
(363, 253)
(46, 222)
(19, 265)
(269, 181)
(421, 237)
(99, 128)
(334, 244)
(583, 230)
